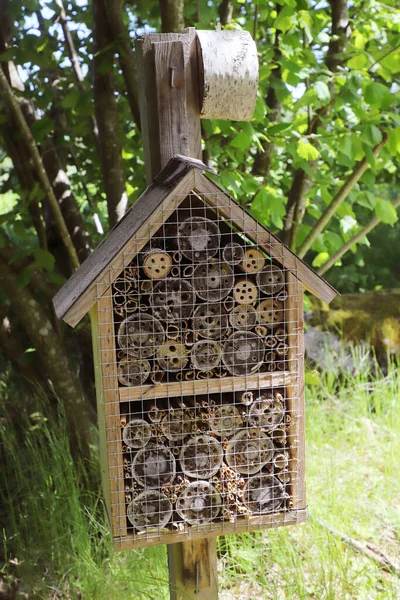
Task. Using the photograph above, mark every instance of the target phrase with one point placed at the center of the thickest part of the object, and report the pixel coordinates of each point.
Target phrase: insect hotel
(197, 324)
(197, 317)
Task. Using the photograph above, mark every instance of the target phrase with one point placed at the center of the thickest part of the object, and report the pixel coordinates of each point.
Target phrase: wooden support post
(170, 120)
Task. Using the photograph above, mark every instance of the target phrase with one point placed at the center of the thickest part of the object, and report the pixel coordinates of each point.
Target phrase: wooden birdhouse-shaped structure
(197, 317)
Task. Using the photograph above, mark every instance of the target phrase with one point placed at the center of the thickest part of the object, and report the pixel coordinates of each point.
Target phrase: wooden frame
(110, 396)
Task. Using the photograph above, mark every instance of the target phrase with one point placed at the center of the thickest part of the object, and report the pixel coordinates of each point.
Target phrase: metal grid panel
(201, 361)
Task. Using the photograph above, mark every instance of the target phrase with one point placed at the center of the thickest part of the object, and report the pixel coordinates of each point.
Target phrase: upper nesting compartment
(197, 240)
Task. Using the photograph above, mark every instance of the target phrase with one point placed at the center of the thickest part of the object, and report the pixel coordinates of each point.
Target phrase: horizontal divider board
(225, 528)
(210, 386)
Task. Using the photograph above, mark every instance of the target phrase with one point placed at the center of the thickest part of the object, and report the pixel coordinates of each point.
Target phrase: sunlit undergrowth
(56, 543)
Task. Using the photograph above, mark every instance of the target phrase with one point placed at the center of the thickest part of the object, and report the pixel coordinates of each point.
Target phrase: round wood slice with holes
(140, 335)
(233, 253)
(210, 321)
(243, 316)
(264, 494)
(270, 312)
(245, 291)
(270, 280)
(253, 261)
(243, 353)
(201, 457)
(157, 264)
(172, 299)
(199, 503)
(249, 450)
(132, 371)
(154, 466)
(206, 354)
(172, 356)
(225, 420)
(176, 424)
(149, 509)
(266, 412)
(198, 239)
(213, 281)
(136, 433)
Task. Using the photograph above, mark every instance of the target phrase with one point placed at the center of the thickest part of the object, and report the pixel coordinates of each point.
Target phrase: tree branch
(25, 132)
(106, 108)
(353, 240)
(340, 197)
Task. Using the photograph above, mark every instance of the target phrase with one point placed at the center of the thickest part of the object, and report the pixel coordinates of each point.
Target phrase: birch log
(228, 75)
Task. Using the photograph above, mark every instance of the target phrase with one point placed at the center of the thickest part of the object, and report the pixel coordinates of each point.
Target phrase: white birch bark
(230, 75)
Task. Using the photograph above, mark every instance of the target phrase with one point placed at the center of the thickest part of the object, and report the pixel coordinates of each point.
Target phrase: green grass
(56, 530)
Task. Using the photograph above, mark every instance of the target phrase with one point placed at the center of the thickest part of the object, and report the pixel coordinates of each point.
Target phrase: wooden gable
(179, 178)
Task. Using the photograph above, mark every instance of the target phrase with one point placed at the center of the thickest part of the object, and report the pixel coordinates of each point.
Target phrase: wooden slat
(227, 207)
(108, 365)
(205, 386)
(129, 236)
(193, 570)
(101, 415)
(225, 528)
(295, 390)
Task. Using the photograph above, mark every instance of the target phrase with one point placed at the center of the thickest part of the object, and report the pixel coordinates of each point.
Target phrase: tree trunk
(172, 16)
(52, 354)
(107, 116)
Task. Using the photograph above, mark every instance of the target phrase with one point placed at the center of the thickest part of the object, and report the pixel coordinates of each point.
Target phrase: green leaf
(306, 150)
(376, 94)
(44, 259)
(278, 128)
(41, 128)
(71, 98)
(312, 378)
(320, 259)
(358, 61)
(394, 141)
(386, 211)
(370, 134)
(242, 141)
(322, 91)
(23, 278)
(286, 19)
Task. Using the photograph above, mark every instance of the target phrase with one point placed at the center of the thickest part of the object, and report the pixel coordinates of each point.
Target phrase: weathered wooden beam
(169, 98)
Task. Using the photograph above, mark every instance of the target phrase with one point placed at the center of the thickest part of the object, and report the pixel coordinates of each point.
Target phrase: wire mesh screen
(205, 371)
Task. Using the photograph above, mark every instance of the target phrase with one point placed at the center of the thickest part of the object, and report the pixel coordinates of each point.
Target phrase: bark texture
(51, 352)
(172, 16)
(106, 110)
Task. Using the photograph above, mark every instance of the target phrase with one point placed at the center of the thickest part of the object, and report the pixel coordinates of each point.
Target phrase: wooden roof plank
(261, 236)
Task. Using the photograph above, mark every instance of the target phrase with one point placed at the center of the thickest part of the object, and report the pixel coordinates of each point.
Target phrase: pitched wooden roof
(181, 176)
